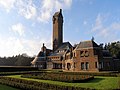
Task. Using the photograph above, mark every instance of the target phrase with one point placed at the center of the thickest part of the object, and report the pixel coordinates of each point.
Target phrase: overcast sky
(26, 24)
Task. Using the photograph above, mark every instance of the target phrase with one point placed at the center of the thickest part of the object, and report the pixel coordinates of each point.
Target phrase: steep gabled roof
(87, 44)
(64, 46)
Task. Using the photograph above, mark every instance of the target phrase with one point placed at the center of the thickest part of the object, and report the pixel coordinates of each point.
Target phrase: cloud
(19, 28)
(10, 46)
(68, 3)
(107, 32)
(48, 6)
(116, 26)
(7, 4)
(85, 22)
(42, 12)
(98, 23)
(26, 8)
(14, 46)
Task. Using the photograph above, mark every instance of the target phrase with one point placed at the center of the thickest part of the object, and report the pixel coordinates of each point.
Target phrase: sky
(26, 24)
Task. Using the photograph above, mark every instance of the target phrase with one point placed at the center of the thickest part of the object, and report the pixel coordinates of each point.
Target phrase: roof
(41, 54)
(64, 46)
(57, 54)
(58, 13)
(36, 59)
(106, 53)
(62, 49)
(87, 44)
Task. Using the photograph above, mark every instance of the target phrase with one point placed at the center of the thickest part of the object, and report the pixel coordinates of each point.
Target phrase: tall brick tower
(57, 29)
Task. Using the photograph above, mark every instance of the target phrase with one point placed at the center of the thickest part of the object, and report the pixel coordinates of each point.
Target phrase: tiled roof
(65, 46)
(87, 44)
(62, 49)
(57, 54)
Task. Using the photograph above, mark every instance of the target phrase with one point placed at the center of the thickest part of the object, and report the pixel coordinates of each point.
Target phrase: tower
(57, 29)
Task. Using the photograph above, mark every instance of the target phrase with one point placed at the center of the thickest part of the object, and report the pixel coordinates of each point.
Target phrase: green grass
(4, 87)
(98, 82)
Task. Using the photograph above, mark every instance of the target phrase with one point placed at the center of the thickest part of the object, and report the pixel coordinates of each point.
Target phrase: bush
(17, 68)
(59, 77)
(18, 73)
(92, 73)
(34, 85)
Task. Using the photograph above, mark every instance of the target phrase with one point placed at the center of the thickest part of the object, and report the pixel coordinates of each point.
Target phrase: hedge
(113, 74)
(18, 72)
(59, 77)
(17, 68)
(35, 85)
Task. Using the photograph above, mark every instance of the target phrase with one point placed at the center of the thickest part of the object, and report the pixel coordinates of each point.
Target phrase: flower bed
(59, 77)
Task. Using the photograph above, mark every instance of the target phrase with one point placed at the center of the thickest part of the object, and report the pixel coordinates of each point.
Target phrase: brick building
(85, 56)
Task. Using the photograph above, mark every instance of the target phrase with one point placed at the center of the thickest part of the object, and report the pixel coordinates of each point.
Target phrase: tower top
(60, 10)
(57, 14)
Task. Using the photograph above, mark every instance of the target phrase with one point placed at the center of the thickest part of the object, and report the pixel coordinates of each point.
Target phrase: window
(87, 65)
(74, 54)
(82, 53)
(96, 65)
(68, 66)
(82, 65)
(100, 65)
(74, 65)
(108, 64)
(95, 52)
(86, 53)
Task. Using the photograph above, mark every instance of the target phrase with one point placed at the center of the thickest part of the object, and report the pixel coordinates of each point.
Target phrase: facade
(88, 56)
(85, 56)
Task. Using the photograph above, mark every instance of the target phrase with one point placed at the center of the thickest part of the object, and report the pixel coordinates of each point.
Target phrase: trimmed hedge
(113, 74)
(18, 73)
(59, 77)
(35, 85)
(17, 68)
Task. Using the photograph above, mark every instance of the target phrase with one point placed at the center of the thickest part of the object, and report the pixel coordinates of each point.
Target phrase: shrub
(34, 85)
(59, 77)
(17, 68)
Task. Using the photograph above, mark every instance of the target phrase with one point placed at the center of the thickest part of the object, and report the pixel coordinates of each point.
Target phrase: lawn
(4, 87)
(99, 82)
